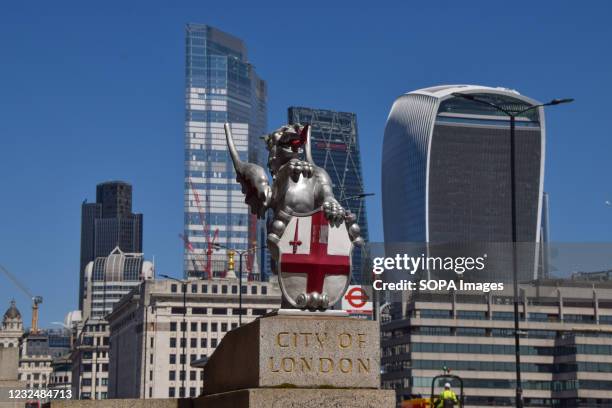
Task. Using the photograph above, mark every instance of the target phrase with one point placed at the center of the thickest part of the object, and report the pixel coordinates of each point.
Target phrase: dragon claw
(334, 213)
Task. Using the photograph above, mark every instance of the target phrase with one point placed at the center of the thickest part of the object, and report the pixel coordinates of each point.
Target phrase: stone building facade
(156, 333)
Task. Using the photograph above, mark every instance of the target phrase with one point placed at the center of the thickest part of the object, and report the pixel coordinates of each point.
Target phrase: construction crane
(189, 247)
(210, 243)
(36, 300)
(209, 251)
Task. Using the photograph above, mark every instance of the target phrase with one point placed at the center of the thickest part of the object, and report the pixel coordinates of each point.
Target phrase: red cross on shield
(314, 257)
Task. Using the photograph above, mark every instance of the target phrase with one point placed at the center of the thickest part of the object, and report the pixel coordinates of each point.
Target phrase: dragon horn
(232, 148)
(306, 133)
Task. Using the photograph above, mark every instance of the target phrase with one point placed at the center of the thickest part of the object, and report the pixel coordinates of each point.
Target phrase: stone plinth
(299, 398)
(122, 403)
(9, 362)
(319, 351)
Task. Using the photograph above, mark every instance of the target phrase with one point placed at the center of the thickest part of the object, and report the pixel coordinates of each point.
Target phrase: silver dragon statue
(310, 235)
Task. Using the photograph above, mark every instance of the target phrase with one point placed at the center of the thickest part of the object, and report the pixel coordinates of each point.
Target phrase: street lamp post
(513, 114)
(183, 356)
(240, 253)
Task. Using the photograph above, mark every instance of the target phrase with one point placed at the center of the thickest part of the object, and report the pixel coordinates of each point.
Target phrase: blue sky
(94, 91)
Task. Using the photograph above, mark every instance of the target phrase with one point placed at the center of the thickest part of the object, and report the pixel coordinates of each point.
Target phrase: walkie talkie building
(446, 169)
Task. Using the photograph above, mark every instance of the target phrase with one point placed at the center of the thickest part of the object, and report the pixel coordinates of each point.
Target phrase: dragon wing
(252, 178)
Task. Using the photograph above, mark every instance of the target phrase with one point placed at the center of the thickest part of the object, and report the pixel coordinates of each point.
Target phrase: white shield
(314, 257)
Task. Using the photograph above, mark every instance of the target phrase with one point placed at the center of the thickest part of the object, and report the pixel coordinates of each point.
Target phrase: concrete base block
(298, 398)
(303, 351)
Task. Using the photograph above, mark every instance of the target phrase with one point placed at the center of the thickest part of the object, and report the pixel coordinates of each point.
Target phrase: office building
(106, 224)
(566, 345)
(61, 373)
(221, 86)
(446, 172)
(597, 276)
(108, 278)
(156, 332)
(37, 352)
(89, 358)
(335, 147)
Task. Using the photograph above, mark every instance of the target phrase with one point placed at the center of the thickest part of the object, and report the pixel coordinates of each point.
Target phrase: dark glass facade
(469, 176)
(108, 223)
(335, 147)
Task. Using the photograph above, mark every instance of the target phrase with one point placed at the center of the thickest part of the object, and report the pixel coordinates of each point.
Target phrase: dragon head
(286, 143)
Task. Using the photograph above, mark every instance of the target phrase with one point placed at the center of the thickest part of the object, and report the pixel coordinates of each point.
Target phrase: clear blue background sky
(92, 91)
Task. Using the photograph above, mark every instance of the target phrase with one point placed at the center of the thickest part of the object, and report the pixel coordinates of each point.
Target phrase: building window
(243, 290)
(194, 288)
(203, 343)
(214, 288)
(264, 290)
(178, 310)
(234, 325)
(436, 314)
(214, 327)
(173, 326)
(219, 311)
(183, 326)
(471, 314)
(194, 327)
(224, 289)
(171, 375)
(173, 288)
(182, 392)
(193, 342)
(192, 375)
(198, 310)
(204, 288)
(171, 392)
(213, 343)
(182, 375)
(192, 392)
(253, 290)
(223, 327)
(183, 359)
(234, 289)
(183, 342)
(172, 341)
(204, 327)
(172, 358)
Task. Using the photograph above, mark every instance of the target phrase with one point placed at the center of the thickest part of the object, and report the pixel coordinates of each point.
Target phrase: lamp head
(560, 101)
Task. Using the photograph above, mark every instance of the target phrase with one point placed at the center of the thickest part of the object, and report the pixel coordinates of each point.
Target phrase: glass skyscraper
(221, 86)
(446, 172)
(335, 147)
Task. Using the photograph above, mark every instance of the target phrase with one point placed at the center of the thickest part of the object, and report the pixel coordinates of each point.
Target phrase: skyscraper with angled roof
(221, 85)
